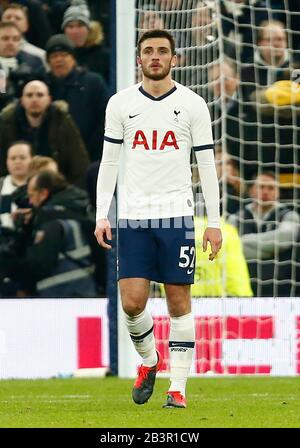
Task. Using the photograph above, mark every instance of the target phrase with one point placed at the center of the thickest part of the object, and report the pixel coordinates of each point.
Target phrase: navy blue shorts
(162, 250)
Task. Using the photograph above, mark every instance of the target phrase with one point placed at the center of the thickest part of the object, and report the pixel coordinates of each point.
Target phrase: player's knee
(179, 309)
(133, 309)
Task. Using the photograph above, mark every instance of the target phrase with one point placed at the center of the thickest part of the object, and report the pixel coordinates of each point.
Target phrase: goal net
(242, 57)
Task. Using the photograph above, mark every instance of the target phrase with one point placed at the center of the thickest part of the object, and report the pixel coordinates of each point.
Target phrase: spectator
(84, 91)
(17, 14)
(12, 195)
(240, 119)
(54, 10)
(271, 58)
(227, 275)
(203, 24)
(278, 134)
(100, 12)
(39, 163)
(57, 259)
(49, 129)
(87, 37)
(232, 187)
(19, 66)
(268, 231)
(198, 46)
(19, 156)
(239, 21)
(150, 19)
(294, 22)
(91, 181)
(39, 28)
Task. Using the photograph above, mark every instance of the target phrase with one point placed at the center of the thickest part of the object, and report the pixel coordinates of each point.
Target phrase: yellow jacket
(228, 274)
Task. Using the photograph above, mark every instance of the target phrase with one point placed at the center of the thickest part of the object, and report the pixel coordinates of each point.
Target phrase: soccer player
(157, 121)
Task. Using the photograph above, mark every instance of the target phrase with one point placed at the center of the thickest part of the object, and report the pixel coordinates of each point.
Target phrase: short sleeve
(201, 129)
(113, 122)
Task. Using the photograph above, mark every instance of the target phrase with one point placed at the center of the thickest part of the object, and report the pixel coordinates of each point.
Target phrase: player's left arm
(203, 146)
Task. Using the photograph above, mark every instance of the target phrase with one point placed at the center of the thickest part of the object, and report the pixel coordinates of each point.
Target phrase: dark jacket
(96, 59)
(39, 26)
(55, 12)
(29, 68)
(86, 94)
(57, 137)
(260, 74)
(57, 258)
(235, 124)
(246, 25)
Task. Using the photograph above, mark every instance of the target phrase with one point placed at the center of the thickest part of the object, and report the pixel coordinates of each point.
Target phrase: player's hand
(214, 237)
(102, 230)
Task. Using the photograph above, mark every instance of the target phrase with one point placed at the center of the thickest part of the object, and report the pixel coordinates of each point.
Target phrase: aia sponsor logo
(154, 140)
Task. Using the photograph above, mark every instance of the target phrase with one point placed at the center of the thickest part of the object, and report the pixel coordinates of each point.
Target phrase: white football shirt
(157, 136)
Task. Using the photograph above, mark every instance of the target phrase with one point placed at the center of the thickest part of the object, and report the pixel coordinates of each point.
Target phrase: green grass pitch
(236, 402)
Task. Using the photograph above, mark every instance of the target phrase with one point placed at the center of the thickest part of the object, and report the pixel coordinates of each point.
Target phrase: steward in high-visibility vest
(227, 275)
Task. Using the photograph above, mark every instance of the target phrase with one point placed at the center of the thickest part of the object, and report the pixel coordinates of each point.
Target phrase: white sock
(181, 345)
(140, 329)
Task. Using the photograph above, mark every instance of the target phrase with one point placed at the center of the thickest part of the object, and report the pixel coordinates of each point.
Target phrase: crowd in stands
(55, 75)
(55, 81)
(243, 57)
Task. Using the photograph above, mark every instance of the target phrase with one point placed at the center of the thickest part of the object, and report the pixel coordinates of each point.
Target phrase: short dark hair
(264, 24)
(153, 34)
(49, 180)
(253, 180)
(22, 142)
(17, 6)
(4, 25)
(267, 173)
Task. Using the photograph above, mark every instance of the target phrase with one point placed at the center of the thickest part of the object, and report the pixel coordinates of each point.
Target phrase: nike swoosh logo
(132, 116)
(190, 271)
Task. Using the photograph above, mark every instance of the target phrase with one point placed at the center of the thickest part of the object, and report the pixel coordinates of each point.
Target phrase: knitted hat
(80, 13)
(282, 93)
(59, 42)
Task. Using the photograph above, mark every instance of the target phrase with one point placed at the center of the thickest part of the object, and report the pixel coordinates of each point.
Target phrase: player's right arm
(108, 172)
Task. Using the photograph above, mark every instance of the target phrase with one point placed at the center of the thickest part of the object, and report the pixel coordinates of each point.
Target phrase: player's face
(156, 58)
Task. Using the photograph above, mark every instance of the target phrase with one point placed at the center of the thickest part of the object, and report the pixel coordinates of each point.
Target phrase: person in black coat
(240, 22)
(87, 37)
(48, 127)
(234, 122)
(85, 92)
(271, 58)
(57, 254)
(19, 67)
